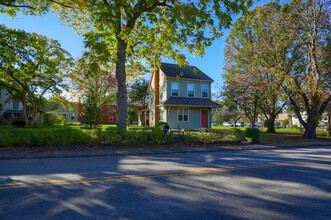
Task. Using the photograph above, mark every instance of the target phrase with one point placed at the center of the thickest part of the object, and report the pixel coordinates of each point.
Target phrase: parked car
(258, 124)
(278, 126)
(240, 124)
(213, 123)
(227, 124)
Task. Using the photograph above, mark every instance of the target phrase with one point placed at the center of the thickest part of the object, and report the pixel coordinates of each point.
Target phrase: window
(190, 90)
(174, 88)
(111, 118)
(64, 115)
(72, 116)
(15, 105)
(182, 114)
(204, 91)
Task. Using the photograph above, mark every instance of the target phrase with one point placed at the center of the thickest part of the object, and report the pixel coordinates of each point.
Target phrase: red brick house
(108, 115)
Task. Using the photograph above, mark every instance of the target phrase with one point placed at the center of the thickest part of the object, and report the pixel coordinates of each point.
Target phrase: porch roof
(15, 111)
(192, 102)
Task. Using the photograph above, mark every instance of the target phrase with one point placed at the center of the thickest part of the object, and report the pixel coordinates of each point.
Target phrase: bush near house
(253, 135)
(285, 123)
(213, 136)
(66, 136)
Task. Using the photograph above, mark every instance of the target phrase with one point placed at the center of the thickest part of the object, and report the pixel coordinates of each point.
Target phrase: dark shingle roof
(184, 101)
(173, 70)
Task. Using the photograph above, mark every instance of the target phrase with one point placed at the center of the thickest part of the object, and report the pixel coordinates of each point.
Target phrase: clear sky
(50, 25)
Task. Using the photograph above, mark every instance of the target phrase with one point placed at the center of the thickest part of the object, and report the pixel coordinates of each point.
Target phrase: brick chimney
(156, 93)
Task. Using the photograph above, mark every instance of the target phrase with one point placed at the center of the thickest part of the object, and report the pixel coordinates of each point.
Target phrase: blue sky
(50, 25)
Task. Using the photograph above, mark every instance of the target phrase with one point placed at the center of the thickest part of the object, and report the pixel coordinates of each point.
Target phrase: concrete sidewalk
(145, 151)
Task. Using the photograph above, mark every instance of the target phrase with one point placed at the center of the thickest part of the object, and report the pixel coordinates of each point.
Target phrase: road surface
(265, 184)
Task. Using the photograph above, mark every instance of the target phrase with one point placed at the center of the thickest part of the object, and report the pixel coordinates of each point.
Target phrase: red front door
(204, 118)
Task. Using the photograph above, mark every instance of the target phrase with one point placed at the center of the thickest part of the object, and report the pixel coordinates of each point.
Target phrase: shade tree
(32, 66)
(123, 31)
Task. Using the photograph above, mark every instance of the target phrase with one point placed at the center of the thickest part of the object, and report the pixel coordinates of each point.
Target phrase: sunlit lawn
(285, 135)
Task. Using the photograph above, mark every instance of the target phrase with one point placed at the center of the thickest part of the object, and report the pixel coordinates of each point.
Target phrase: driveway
(266, 184)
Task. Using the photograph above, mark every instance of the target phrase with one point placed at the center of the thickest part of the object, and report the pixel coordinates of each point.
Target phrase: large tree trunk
(310, 129)
(121, 95)
(271, 125)
(34, 112)
(25, 111)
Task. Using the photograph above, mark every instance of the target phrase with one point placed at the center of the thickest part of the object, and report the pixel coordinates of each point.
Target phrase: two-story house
(10, 108)
(180, 96)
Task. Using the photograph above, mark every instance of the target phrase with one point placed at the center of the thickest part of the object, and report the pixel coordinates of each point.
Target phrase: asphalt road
(265, 184)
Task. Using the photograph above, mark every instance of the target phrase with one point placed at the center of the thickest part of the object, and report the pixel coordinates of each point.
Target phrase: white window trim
(72, 116)
(207, 90)
(177, 89)
(207, 117)
(193, 89)
(188, 115)
(111, 117)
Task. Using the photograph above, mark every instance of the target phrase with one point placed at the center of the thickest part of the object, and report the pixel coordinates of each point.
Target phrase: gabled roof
(173, 70)
(192, 102)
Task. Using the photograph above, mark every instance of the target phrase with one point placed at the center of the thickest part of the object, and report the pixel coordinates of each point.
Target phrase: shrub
(295, 126)
(285, 123)
(253, 135)
(52, 119)
(19, 123)
(238, 135)
(160, 123)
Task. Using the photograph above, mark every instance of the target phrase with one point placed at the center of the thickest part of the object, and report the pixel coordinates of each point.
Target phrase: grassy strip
(76, 136)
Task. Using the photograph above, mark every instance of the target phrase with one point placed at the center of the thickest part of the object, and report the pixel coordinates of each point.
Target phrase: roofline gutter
(189, 79)
(191, 106)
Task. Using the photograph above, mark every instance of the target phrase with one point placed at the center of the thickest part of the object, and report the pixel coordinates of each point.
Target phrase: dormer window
(190, 90)
(174, 89)
(204, 91)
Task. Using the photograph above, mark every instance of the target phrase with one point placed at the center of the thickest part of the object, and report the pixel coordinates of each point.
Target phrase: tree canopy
(126, 31)
(286, 46)
(31, 65)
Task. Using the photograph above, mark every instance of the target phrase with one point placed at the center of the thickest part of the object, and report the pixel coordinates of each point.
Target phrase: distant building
(73, 113)
(10, 108)
(69, 112)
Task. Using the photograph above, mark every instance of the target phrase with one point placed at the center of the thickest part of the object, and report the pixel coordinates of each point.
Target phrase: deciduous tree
(93, 84)
(31, 65)
(138, 92)
(124, 31)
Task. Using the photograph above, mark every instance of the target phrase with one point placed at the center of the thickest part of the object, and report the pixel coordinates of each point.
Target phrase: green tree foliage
(132, 115)
(285, 123)
(251, 35)
(243, 89)
(91, 111)
(28, 7)
(138, 93)
(93, 84)
(31, 66)
(287, 46)
(126, 31)
(49, 104)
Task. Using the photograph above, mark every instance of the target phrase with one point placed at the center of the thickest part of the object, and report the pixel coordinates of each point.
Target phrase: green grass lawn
(74, 135)
(285, 135)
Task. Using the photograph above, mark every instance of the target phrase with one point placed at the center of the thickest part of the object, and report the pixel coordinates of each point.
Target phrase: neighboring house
(70, 113)
(10, 109)
(108, 115)
(283, 116)
(179, 96)
(73, 113)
